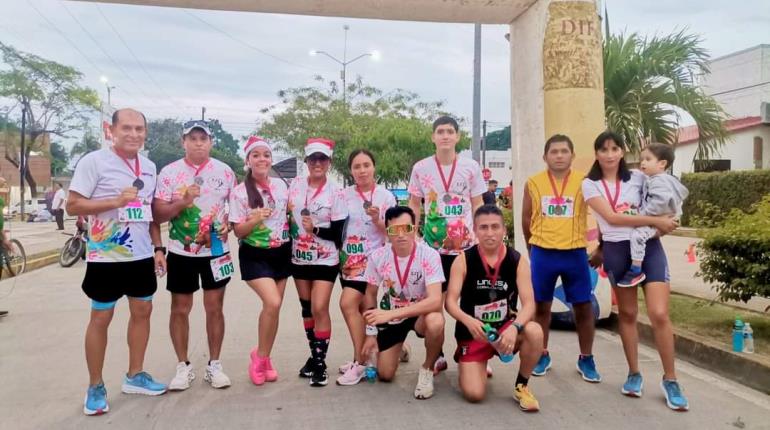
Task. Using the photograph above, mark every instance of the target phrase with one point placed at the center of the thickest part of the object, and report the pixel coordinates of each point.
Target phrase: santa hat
(253, 143)
(318, 144)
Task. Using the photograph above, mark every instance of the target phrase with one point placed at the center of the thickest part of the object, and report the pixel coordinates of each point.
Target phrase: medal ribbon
(496, 271)
(444, 182)
(613, 201)
(559, 196)
(199, 168)
(402, 279)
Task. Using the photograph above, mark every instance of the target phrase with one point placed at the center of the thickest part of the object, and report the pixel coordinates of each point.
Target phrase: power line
(141, 65)
(248, 45)
(64, 36)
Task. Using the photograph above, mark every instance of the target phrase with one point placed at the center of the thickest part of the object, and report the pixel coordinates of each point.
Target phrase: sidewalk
(684, 281)
(44, 376)
(39, 237)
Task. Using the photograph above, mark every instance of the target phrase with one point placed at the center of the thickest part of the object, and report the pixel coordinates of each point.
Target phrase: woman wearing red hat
(258, 210)
(318, 214)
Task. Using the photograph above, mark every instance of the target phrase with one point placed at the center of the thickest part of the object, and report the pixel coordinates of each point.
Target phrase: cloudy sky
(170, 62)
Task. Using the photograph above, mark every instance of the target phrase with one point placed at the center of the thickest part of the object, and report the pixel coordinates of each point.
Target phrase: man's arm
(477, 202)
(432, 303)
(164, 211)
(415, 204)
(526, 294)
(77, 204)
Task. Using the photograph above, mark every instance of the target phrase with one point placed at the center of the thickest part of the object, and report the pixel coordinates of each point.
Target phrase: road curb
(685, 232)
(38, 261)
(751, 370)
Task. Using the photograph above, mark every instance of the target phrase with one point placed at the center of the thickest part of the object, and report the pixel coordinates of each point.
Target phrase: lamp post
(106, 81)
(344, 62)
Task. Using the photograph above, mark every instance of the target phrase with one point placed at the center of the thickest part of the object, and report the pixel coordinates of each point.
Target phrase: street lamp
(105, 81)
(375, 55)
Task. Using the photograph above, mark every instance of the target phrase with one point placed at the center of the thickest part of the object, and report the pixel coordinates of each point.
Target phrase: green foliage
(646, 80)
(509, 231)
(54, 102)
(395, 126)
(59, 159)
(498, 140)
(714, 194)
(736, 255)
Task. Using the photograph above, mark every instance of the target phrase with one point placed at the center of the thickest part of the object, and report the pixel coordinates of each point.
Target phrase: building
(38, 164)
(740, 82)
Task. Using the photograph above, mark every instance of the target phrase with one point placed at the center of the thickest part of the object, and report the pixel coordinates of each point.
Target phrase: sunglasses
(317, 158)
(196, 123)
(398, 229)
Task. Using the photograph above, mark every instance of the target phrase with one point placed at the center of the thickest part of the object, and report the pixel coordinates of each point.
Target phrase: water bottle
(738, 335)
(370, 373)
(216, 243)
(493, 336)
(748, 339)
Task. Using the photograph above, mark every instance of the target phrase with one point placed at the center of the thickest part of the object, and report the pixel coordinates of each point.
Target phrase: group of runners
(393, 279)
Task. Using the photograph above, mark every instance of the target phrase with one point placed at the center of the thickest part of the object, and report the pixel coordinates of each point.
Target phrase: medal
(138, 184)
(305, 212)
(558, 210)
(559, 196)
(446, 183)
(198, 181)
(367, 202)
(367, 205)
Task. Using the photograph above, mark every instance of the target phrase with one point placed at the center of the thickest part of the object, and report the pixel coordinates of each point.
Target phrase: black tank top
(491, 304)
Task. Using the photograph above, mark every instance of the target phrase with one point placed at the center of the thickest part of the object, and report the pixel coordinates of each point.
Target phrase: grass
(715, 320)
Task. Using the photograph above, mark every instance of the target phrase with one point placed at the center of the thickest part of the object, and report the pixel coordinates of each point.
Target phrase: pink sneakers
(261, 369)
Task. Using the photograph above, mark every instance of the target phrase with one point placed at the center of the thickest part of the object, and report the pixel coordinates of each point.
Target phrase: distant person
(506, 197)
(489, 196)
(57, 205)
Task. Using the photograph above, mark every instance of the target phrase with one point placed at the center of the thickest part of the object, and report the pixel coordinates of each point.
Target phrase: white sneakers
(185, 375)
(215, 376)
(424, 388)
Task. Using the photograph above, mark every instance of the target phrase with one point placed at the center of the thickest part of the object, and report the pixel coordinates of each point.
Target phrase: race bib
(222, 267)
(493, 312)
(308, 255)
(135, 211)
(358, 248)
(626, 209)
(557, 208)
(397, 303)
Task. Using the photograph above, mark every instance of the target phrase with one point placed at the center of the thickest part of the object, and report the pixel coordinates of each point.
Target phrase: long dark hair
(357, 152)
(595, 173)
(255, 197)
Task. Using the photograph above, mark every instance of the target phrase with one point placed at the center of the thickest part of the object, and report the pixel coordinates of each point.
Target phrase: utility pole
(344, 62)
(22, 163)
(476, 90)
(203, 113)
(484, 144)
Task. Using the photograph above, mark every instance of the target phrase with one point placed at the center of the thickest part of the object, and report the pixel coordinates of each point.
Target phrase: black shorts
(446, 266)
(389, 335)
(187, 274)
(107, 282)
(315, 272)
(255, 263)
(359, 286)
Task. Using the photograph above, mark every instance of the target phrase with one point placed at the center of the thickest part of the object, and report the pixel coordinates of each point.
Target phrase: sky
(169, 62)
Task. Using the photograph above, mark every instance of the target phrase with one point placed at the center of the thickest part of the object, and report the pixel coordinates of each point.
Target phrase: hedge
(723, 191)
(736, 255)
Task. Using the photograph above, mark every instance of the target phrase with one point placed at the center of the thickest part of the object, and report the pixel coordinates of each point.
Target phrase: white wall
(503, 175)
(731, 74)
(739, 149)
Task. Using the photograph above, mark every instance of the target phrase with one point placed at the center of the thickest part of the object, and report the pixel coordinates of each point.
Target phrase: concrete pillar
(557, 86)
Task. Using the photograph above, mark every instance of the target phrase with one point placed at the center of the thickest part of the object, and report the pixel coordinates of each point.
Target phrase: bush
(736, 255)
(723, 191)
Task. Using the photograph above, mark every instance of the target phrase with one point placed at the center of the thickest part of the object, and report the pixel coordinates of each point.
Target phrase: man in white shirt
(58, 205)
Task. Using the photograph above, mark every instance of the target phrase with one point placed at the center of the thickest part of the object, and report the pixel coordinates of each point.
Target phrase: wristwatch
(371, 330)
(519, 327)
(161, 249)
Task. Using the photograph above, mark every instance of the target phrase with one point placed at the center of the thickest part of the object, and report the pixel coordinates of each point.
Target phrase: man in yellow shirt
(554, 226)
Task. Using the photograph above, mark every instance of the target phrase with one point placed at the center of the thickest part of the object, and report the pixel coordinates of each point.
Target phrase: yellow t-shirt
(557, 223)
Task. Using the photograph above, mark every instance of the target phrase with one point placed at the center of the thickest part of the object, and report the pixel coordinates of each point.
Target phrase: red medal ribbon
(559, 196)
(402, 279)
(613, 201)
(496, 271)
(444, 182)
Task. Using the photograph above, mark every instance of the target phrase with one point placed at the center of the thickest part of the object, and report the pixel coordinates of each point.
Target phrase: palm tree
(648, 82)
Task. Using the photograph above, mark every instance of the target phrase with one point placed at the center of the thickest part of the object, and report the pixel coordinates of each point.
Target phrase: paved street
(44, 377)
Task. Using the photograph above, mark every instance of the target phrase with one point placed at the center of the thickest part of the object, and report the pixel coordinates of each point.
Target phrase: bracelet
(161, 249)
(371, 330)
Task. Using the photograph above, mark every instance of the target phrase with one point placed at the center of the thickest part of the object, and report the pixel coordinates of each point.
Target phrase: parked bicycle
(13, 261)
(75, 247)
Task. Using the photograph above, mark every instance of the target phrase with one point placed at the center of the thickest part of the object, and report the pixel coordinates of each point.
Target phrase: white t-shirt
(184, 235)
(425, 270)
(101, 175)
(361, 234)
(327, 206)
(58, 199)
(272, 232)
(628, 203)
(448, 215)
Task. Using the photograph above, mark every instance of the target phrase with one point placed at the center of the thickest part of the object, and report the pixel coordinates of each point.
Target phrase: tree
(89, 142)
(648, 81)
(49, 93)
(395, 126)
(498, 140)
(59, 159)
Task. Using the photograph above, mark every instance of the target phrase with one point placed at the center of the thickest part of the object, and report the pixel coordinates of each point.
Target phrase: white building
(740, 82)
(499, 162)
